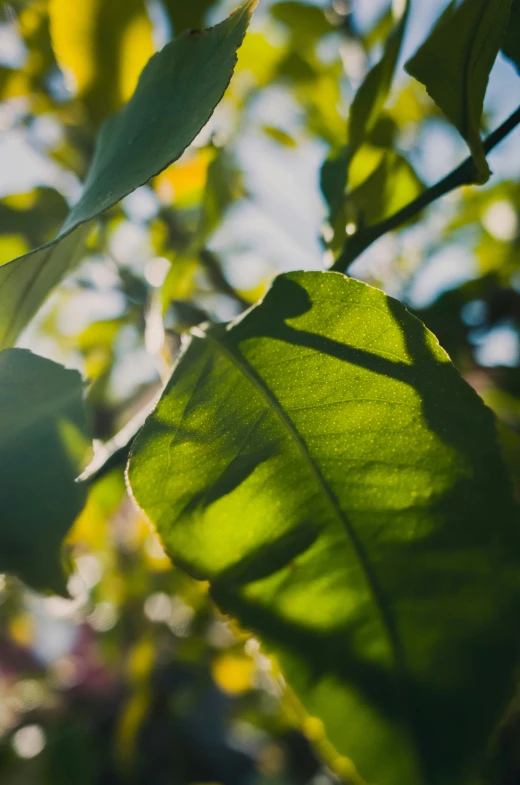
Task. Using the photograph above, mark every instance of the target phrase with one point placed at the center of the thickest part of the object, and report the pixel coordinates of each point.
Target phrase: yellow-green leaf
(321, 462)
(103, 46)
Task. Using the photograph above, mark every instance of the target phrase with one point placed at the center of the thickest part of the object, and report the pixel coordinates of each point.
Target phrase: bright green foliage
(176, 95)
(391, 185)
(186, 16)
(511, 42)
(321, 462)
(44, 438)
(454, 64)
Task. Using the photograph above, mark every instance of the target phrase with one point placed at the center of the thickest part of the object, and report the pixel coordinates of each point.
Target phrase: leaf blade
(133, 146)
(303, 460)
(454, 64)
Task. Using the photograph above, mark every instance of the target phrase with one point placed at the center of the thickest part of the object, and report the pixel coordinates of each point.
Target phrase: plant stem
(462, 175)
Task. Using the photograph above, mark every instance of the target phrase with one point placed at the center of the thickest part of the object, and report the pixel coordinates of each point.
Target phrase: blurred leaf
(306, 22)
(391, 185)
(454, 64)
(44, 436)
(258, 57)
(183, 183)
(36, 216)
(372, 95)
(511, 42)
(224, 185)
(279, 136)
(324, 465)
(382, 183)
(104, 46)
(176, 95)
(363, 117)
(187, 15)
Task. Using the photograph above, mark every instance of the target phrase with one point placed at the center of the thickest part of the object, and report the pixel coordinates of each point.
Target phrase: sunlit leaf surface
(323, 464)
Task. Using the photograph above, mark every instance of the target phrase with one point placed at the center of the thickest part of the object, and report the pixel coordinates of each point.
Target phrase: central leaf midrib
(274, 405)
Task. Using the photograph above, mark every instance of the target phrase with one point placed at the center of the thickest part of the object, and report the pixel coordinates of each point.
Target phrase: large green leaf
(321, 462)
(176, 95)
(44, 436)
(454, 64)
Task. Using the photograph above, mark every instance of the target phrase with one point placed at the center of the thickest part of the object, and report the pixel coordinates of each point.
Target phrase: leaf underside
(321, 462)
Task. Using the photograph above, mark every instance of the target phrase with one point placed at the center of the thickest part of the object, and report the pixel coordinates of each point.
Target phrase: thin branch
(462, 175)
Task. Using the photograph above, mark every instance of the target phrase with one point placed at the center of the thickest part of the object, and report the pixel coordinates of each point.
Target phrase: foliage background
(136, 677)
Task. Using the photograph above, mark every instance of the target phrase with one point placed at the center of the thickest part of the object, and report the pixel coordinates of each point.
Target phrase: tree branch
(462, 175)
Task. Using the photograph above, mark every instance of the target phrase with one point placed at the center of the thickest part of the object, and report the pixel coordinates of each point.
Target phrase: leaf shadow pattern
(439, 602)
(455, 555)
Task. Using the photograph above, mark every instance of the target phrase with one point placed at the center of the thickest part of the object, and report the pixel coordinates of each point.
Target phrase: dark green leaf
(511, 42)
(44, 436)
(322, 463)
(373, 93)
(454, 64)
(187, 15)
(177, 93)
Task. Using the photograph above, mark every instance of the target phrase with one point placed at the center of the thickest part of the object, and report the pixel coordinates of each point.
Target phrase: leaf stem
(462, 175)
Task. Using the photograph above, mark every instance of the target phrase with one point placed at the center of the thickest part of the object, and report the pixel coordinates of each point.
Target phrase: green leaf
(373, 93)
(321, 462)
(307, 23)
(454, 64)
(44, 438)
(187, 15)
(224, 185)
(511, 42)
(176, 95)
(393, 184)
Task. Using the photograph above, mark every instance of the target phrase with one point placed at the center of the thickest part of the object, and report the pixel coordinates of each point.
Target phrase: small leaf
(224, 185)
(307, 23)
(176, 95)
(187, 15)
(321, 462)
(364, 115)
(372, 95)
(454, 64)
(511, 42)
(44, 436)
(386, 190)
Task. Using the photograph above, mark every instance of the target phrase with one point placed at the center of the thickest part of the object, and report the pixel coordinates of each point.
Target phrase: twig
(462, 175)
